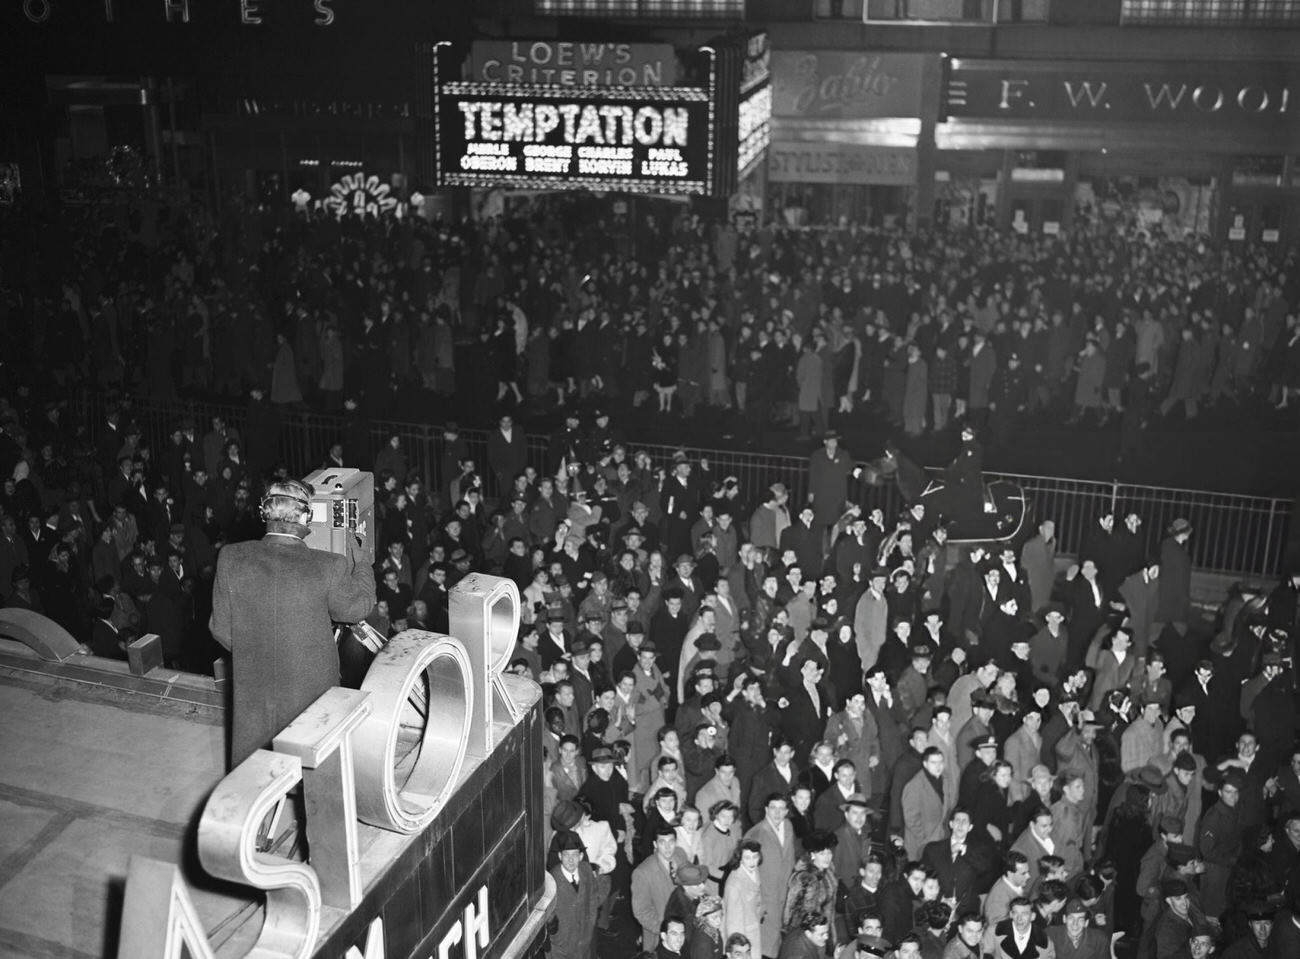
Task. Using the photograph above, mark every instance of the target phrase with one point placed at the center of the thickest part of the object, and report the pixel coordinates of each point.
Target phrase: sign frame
(1228, 95)
(847, 84)
(696, 99)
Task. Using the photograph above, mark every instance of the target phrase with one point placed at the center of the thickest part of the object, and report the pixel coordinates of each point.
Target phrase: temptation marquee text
(644, 141)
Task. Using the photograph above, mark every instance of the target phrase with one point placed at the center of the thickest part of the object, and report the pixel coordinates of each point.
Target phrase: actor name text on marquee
(592, 161)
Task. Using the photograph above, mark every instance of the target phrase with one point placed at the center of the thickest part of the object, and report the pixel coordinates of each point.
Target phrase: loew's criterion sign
(642, 140)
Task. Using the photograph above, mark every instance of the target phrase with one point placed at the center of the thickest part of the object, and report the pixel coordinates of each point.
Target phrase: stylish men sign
(343, 749)
(814, 162)
(643, 140)
(1229, 95)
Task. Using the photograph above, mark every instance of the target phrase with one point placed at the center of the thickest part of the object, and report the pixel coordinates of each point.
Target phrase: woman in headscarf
(706, 937)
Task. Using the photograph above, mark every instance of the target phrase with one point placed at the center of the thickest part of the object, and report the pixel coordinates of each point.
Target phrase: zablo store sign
(384, 895)
(1263, 96)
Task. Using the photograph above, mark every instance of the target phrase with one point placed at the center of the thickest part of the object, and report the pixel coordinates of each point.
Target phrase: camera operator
(274, 601)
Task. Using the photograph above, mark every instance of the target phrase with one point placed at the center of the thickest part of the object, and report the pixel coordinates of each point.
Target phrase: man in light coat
(871, 619)
(1038, 559)
(1070, 823)
(653, 884)
(771, 518)
(775, 835)
(1023, 749)
(925, 804)
(855, 736)
(1077, 754)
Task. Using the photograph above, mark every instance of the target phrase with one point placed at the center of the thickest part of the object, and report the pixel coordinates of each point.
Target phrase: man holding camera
(274, 602)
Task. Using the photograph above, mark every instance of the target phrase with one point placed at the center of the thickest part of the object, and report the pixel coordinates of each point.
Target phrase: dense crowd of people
(773, 728)
(830, 734)
(560, 296)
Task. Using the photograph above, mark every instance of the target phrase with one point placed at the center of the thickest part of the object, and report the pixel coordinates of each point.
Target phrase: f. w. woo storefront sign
(1254, 94)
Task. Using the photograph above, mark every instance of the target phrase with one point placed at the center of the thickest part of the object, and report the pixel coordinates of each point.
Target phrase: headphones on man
(296, 492)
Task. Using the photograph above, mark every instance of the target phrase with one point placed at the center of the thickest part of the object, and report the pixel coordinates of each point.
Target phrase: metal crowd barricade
(1233, 534)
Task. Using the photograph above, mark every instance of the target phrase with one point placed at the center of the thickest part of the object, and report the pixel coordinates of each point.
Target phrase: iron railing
(1233, 534)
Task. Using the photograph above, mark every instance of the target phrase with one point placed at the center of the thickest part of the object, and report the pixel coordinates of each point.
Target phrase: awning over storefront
(1135, 137)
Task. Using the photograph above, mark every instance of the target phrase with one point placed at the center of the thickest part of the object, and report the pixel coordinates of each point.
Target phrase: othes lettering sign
(246, 13)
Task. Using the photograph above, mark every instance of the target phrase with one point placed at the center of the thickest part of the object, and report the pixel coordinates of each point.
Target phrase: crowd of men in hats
(789, 729)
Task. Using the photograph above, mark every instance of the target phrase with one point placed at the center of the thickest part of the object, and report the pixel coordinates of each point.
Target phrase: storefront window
(1171, 205)
(1270, 223)
(964, 202)
(1258, 170)
(827, 204)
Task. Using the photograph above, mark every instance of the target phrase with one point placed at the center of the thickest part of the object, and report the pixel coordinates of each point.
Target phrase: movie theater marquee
(634, 139)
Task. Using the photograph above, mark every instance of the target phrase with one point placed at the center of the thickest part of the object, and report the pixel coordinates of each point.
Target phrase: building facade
(1027, 114)
(1030, 115)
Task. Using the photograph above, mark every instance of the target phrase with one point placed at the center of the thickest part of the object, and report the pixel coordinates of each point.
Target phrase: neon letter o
(391, 680)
